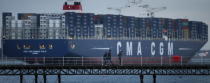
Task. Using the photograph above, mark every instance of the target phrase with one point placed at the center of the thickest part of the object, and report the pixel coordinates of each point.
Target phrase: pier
(91, 67)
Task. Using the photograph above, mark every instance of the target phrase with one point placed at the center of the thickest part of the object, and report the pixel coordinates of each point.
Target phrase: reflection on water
(109, 79)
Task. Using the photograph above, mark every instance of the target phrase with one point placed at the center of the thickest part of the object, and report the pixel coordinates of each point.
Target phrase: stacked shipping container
(80, 25)
(88, 25)
(52, 26)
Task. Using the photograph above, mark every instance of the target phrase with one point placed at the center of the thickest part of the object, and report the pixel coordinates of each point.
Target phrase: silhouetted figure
(105, 58)
(109, 57)
(120, 57)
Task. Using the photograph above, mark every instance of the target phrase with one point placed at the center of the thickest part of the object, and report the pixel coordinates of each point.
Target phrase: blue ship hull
(97, 48)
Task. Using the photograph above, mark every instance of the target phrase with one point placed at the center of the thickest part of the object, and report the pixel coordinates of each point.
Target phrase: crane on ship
(151, 11)
(133, 2)
(119, 10)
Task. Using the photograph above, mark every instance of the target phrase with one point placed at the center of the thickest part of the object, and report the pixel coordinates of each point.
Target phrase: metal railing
(103, 61)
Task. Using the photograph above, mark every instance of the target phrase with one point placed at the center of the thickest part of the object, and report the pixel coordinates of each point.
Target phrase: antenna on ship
(72, 6)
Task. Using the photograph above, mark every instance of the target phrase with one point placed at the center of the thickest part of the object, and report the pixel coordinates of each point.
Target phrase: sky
(196, 10)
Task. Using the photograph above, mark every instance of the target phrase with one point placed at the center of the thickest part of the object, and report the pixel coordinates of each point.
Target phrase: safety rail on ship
(101, 61)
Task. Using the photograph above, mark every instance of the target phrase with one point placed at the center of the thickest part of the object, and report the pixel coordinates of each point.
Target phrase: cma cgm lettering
(97, 48)
(160, 48)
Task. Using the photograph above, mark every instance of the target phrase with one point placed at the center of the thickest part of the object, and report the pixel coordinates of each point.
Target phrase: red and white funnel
(72, 6)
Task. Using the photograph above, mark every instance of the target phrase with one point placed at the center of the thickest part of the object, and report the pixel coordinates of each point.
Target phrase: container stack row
(88, 25)
(117, 26)
(27, 25)
(52, 26)
(80, 25)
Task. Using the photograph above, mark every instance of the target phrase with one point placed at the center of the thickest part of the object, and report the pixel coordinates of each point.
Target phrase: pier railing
(104, 61)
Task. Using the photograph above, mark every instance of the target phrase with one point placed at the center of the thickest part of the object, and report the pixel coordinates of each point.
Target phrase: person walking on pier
(120, 57)
(105, 58)
(109, 57)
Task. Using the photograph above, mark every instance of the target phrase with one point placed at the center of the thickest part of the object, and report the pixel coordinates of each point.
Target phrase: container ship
(72, 34)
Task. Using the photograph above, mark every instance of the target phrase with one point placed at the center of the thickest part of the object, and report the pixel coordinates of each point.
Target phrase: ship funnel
(72, 6)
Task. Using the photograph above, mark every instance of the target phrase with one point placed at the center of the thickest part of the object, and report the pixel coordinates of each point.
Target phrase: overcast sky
(197, 10)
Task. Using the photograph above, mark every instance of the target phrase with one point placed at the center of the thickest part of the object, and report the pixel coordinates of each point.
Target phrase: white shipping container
(57, 23)
(14, 22)
(13, 35)
(63, 18)
(19, 23)
(51, 23)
